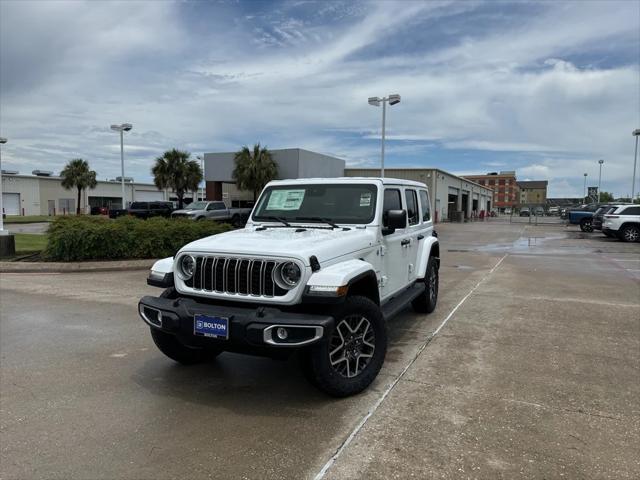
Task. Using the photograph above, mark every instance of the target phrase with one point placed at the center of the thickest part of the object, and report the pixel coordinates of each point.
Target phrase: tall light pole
(125, 127)
(636, 133)
(201, 158)
(376, 101)
(2, 230)
(584, 197)
(600, 178)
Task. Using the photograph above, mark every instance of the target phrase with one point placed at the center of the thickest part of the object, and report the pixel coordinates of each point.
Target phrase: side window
(631, 211)
(220, 206)
(211, 206)
(412, 207)
(391, 202)
(426, 208)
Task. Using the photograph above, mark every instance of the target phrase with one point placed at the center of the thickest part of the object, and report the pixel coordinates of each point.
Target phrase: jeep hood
(325, 244)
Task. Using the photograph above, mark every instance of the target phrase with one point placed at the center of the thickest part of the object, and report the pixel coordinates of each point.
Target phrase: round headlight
(289, 275)
(187, 266)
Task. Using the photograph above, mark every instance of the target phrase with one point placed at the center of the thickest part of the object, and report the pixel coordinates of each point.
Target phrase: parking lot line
(377, 404)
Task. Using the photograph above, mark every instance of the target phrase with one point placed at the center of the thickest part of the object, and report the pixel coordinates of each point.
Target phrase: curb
(75, 267)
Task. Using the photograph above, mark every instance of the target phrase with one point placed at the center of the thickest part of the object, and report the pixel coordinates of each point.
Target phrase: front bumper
(251, 329)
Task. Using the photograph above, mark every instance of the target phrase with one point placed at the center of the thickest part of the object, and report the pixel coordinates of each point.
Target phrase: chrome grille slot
(239, 276)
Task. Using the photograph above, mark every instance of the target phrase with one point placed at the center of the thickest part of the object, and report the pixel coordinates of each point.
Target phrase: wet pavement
(532, 372)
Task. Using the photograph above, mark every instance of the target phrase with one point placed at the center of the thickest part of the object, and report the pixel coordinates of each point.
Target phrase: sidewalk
(69, 267)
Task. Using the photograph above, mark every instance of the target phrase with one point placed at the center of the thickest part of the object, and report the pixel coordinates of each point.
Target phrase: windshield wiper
(277, 219)
(320, 219)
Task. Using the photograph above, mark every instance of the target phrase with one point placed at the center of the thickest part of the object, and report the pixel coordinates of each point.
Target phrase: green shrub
(97, 238)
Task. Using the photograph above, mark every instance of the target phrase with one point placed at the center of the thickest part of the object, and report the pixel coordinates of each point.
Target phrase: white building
(44, 195)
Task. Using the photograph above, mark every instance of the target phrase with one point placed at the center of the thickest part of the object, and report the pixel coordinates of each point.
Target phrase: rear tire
(630, 233)
(347, 362)
(586, 225)
(175, 350)
(426, 302)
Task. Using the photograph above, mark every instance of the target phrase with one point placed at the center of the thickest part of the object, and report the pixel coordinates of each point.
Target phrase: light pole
(2, 230)
(376, 101)
(201, 158)
(584, 197)
(125, 127)
(636, 133)
(600, 178)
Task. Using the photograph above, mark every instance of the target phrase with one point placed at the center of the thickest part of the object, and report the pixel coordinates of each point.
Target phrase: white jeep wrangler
(318, 269)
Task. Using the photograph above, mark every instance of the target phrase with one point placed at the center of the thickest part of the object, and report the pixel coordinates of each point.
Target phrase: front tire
(586, 225)
(351, 358)
(630, 233)
(426, 302)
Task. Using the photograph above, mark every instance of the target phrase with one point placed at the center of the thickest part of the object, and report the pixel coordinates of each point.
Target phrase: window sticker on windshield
(365, 199)
(285, 200)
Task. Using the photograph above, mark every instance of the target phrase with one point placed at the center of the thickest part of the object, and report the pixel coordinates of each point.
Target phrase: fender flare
(430, 248)
(161, 273)
(353, 273)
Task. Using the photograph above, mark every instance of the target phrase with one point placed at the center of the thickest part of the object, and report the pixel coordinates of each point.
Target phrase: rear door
(413, 236)
(396, 256)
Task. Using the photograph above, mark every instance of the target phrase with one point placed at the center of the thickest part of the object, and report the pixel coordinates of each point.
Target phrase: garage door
(11, 203)
(148, 196)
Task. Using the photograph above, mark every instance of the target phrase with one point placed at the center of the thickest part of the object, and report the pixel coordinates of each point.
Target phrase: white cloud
(79, 66)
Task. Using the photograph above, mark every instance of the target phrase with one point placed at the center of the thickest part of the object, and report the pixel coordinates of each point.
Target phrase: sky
(544, 88)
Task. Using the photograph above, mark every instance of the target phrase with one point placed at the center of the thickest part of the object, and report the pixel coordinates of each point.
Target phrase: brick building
(504, 185)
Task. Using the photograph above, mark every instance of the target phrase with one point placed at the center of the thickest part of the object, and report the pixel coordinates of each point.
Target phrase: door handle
(405, 242)
(420, 237)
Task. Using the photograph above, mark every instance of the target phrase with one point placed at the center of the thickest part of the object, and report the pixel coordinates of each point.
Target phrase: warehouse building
(291, 162)
(453, 198)
(42, 194)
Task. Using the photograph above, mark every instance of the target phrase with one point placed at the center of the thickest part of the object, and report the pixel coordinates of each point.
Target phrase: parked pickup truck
(583, 216)
(214, 211)
(318, 270)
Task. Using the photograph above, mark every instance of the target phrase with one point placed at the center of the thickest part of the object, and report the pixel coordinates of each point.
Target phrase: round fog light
(282, 333)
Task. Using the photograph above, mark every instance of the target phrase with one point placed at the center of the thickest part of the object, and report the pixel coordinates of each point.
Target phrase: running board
(396, 304)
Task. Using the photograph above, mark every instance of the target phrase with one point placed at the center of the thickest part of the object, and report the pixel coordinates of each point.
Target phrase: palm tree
(174, 170)
(76, 174)
(254, 168)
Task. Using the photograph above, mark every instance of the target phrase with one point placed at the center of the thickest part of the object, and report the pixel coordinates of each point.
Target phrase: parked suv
(320, 267)
(623, 222)
(150, 209)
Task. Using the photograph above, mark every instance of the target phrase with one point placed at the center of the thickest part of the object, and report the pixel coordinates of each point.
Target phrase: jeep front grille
(240, 276)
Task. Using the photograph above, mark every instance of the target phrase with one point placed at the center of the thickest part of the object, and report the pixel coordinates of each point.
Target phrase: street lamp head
(600, 161)
(375, 101)
(636, 132)
(394, 99)
(125, 127)
(585, 174)
(3, 140)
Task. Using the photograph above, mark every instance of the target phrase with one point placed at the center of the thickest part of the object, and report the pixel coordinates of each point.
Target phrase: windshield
(339, 203)
(196, 206)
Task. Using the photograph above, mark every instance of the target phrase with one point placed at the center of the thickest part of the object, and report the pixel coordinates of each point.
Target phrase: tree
(254, 168)
(174, 170)
(76, 174)
(606, 197)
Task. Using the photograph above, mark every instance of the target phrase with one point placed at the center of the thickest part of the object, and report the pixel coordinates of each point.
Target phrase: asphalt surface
(529, 367)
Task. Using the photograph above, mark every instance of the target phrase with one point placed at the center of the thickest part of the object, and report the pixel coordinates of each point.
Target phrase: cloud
(546, 88)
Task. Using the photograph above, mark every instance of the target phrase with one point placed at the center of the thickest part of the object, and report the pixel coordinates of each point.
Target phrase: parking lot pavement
(533, 373)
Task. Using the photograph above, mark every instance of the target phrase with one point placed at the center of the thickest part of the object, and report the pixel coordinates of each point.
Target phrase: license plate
(210, 326)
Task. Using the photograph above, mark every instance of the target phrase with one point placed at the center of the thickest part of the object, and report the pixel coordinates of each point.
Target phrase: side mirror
(394, 219)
